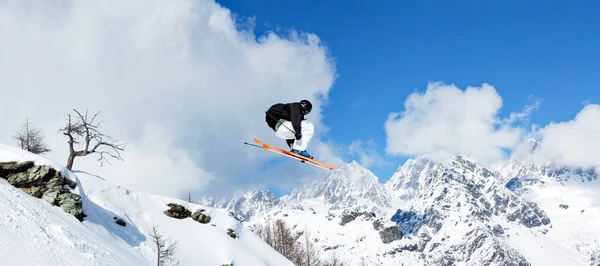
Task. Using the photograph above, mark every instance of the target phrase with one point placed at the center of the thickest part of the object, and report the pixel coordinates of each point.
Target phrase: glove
(298, 136)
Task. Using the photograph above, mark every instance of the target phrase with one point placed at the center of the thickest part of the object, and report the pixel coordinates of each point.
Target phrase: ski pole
(281, 123)
(252, 144)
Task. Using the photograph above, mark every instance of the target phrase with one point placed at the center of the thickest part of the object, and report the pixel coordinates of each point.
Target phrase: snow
(575, 235)
(35, 233)
(457, 195)
(453, 199)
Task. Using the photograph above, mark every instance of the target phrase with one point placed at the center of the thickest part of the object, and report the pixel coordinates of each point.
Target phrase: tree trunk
(70, 161)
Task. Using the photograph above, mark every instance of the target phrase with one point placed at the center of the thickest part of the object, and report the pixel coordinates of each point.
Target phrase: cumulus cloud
(179, 81)
(573, 143)
(366, 152)
(445, 121)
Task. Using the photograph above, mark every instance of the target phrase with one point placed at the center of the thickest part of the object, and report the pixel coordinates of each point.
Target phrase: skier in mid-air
(288, 122)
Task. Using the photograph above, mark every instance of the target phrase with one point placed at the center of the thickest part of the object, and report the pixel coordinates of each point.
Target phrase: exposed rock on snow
(177, 211)
(44, 182)
(200, 217)
(390, 234)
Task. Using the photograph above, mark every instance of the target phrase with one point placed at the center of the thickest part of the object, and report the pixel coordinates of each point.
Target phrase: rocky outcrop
(200, 217)
(350, 215)
(390, 234)
(409, 221)
(43, 182)
(177, 211)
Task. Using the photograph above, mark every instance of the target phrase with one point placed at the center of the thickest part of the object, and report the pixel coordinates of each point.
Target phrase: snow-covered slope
(35, 233)
(32, 232)
(570, 198)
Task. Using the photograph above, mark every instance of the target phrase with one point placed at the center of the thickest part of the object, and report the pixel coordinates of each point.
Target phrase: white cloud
(573, 143)
(524, 114)
(179, 81)
(445, 120)
(366, 153)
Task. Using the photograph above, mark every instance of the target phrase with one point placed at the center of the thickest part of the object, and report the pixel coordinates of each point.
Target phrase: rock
(390, 234)
(529, 215)
(410, 221)
(43, 182)
(498, 230)
(71, 203)
(72, 184)
(52, 190)
(231, 233)
(119, 221)
(177, 211)
(331, 247)
(377, 224)
(7, 168)
(200, 217)
(34, 176)
(348, 216)
(563, 206)
(368, 215)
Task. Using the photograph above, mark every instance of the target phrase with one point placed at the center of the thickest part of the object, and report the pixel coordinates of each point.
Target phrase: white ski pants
(286, 131)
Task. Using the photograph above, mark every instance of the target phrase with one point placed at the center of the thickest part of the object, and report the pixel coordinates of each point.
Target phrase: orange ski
(296, 156)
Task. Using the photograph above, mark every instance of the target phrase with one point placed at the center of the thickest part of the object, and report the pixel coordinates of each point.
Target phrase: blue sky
(386, 51)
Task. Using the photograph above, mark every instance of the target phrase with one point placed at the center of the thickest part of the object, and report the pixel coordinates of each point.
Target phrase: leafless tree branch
(31, 139)
(164, 254)
(89, 130)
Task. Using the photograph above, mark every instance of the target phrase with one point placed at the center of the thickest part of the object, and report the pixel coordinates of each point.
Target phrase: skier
(288, 122)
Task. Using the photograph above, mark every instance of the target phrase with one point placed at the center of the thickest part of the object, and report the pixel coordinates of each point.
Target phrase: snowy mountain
(247, 204)
(571, 199)
(458, 213)
(427, 213)
(117, 224)
(353, 186)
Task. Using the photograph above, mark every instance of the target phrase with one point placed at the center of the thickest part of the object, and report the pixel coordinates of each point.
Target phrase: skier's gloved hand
(298, 136)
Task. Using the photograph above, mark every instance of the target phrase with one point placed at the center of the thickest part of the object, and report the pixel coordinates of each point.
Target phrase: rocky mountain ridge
(436, 214)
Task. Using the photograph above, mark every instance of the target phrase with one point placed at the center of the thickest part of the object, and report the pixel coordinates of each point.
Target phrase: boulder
(390, 234)
(71, 203)
(231, 233)
(177, 211)
(200, 217)
(43, 182)
(119, 221)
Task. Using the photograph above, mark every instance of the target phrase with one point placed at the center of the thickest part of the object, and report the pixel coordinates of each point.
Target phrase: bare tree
(164, 254)
(189, 197)
(281, 238)
(310, 254)
(333, 261)
(31, 139)
(88, 129)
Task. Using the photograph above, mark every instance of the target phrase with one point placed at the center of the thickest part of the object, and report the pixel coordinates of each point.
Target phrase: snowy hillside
(428, 213)
(34, 232)
(570, 198)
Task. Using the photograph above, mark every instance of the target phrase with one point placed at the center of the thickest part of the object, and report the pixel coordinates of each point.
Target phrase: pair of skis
(295, 156)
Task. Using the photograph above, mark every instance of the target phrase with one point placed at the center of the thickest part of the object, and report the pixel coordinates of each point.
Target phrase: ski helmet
(306, 106)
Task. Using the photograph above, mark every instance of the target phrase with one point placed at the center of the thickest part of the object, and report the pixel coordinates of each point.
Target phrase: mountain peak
(247, 203)
(354, 186)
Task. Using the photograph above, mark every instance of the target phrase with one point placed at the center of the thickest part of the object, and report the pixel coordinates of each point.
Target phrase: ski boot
(303, 153)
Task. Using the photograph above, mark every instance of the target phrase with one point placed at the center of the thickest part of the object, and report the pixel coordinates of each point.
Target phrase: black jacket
(290, 111)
